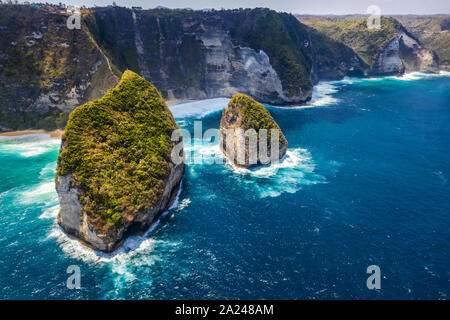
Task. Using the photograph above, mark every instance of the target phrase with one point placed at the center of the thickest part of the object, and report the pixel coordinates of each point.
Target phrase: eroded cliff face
(231, 69)
(46, 69)
(196, 55)
(333, 60)
(404, 54)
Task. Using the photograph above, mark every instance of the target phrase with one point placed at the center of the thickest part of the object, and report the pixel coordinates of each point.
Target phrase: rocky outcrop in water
(249, 135)
(115, 173)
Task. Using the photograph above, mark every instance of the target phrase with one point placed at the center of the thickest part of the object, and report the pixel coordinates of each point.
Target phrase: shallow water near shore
(365, 181)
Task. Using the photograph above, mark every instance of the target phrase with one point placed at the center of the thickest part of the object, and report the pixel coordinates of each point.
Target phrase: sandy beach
(54, 134)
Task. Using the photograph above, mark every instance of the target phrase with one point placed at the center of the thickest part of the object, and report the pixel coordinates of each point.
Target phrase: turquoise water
(365, 181)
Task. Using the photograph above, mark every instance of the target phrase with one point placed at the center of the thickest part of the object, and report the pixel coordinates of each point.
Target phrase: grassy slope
(118, 150)
(355, 34)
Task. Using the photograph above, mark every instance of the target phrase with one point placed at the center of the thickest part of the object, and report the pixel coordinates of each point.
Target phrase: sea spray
(198, 109)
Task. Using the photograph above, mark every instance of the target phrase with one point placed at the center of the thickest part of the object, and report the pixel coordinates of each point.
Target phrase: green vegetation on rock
(117, 149)
(254, 115)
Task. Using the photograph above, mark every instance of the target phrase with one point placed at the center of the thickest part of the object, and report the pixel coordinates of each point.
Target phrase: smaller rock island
(115, 174)
(248, 133)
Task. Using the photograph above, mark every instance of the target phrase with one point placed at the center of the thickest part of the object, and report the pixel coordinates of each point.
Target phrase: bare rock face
(116, 174)
(249, 135)
(404, 54)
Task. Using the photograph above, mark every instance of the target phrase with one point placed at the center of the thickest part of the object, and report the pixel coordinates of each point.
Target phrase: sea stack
(115, 174)
(249, 135)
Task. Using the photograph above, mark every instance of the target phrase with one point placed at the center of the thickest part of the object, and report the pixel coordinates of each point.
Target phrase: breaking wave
(28, 145)
(412, 76)
(295, 170)
(323, 94)
(42, 193)
(132, 246)
(198, 109)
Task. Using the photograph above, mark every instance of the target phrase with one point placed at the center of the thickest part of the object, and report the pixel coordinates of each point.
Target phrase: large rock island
(115, 175)
(248, 133)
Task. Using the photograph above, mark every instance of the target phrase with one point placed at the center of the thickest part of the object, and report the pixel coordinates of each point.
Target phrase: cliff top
(118, 150)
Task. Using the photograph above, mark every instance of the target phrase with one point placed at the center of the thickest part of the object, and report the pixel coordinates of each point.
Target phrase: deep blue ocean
(366, 181)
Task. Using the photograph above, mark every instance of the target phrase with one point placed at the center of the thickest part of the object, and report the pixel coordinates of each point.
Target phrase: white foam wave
(198, 109)
(295, 170)
(29, 145)
(323, 94)
(48, 171)
(412, 76)
(42, 193)
(183, 204)
(292, 159)
(132, 247)
(177, 198)
(50, 213)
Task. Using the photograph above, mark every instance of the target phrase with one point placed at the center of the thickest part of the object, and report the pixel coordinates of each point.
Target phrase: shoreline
(58, 133)
(54, 134)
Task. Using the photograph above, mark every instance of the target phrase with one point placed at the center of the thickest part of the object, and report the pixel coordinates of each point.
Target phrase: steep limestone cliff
(193, 54)
(334, 60)
(115, 173)
(46, 69)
